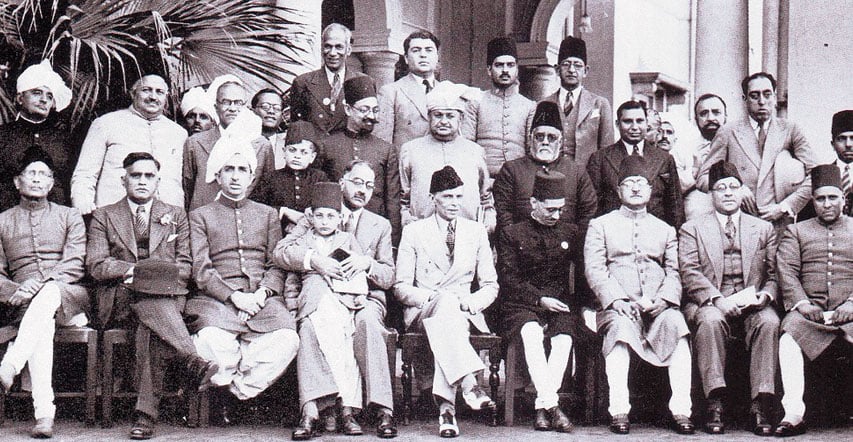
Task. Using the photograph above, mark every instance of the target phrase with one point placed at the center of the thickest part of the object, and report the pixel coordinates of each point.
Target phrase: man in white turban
(198, 110)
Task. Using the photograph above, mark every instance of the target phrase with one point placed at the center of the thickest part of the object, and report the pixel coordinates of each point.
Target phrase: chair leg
(406, 380)
(2, 407)
(91, 377)
(391, 348)
(494, 380)
(511, 361)
(107, 385)
(204, 409)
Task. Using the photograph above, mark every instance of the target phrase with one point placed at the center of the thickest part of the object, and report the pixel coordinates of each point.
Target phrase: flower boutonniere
(167, 220)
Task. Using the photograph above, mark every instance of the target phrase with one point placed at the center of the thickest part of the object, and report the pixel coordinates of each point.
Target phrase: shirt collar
(331, 75)
(346, 213)
(506, 92)
(723, 218)
(420, 80)
(138, 114)
(631, 213)
(630, 147)
(133, 206)
(442, 223)
(576, 92)
(841, 164)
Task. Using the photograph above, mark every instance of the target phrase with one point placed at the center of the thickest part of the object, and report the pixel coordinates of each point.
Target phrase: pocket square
(595, 113)
(172, 237)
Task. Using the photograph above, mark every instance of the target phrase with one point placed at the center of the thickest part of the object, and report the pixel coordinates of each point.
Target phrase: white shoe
(477, 399)
(447, 425)
(7, 377)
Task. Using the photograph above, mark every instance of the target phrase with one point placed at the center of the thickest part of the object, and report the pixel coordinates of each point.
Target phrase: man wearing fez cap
(438, 259)
(443, 146)
(140, 231)
(721, 255)
(534, 257)
(41, 265)
(666, 202)
(587, 118)
(816, 285)
(238, 316)
(41, 95)
(499, 120)
(842, 142)
(631, 262)
(357, 141)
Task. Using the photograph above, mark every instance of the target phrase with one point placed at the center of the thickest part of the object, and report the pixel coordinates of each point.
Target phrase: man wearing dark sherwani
(140, 231)
(356, 142)
(722, 254)
(666, 201)
(816, 278)
(238, 316)
(533, 261)
(373, 234)
(42, 247)
(632, 267)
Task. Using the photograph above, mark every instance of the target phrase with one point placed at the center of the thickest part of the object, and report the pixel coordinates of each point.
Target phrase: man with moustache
(142, 127)
(499, 120)
(842, 142)
(710, 114)
(237, 124)
(316, 96)
(269, 106)
(720, 256)
(199, 111)
(771, 153)
(373, 234)
(357, 142)
(816, 281)
(41, 95)
(586, 117)
(603, 168)
(443, 146)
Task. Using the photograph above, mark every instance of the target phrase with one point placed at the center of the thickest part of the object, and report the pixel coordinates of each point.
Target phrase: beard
(708, 133)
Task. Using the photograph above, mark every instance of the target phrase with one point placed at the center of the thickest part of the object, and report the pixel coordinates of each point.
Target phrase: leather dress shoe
(681, 424)
(349, 426)
(787, 429)
(143, 427)
(620, 424)
(559, 421)
(447, 425)
(43, 429)
(714, 424)
(542, 422)
(201, 370)
(386, 429)
(762, 425)
(305, 429)
(477, 399)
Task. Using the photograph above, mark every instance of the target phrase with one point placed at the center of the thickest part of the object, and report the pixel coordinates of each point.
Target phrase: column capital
(380, 65)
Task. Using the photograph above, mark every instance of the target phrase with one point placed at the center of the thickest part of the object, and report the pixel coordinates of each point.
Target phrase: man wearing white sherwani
(632, 267)
(437, 260)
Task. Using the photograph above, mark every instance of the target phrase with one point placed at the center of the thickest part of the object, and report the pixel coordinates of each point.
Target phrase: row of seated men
(98, 180)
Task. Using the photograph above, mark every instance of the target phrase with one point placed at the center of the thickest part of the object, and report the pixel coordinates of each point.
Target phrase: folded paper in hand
(827, 317)
(357, 285)
(745, 298)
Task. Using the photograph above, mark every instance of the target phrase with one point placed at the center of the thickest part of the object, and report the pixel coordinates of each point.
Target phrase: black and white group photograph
(491, 220)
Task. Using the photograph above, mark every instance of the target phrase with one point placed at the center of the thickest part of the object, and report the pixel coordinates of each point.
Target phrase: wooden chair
(66, 335)
(119, 336)
(413, 344)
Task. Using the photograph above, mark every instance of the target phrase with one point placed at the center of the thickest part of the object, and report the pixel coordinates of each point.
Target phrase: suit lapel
(772, 144)
(121, 217)
(157, 230)
(213, 135)
(584, 106)
(712, 241)
(748, 244)
(615, 158)
(364, 230)
(437, 249)
(414, 91)
(748, 143)
(320, 89)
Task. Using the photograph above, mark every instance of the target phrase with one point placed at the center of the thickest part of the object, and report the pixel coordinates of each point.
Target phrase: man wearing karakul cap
(41, 95)
(197, 107)
(587, 117)
(816, 281)
(631, 262)
(438, 258)
(842, 142)
(443, 146)
(499, 120)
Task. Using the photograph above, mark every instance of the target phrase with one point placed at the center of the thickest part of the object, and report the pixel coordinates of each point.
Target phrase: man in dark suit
(586, 116)
(720, 256)
(317, 96)
(373, 233)
(140, 231)
(816, 282)
(842, 142)
(666, 202)
(771, 154)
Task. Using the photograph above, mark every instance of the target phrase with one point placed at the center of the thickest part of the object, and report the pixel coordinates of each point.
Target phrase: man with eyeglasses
(666, 202)
(357, 142)
(772, 154)
(499, 120)
(269, 106)
(631, 260)
(236, 122)
(728, 270)
(142, 127)
(317, 96)
(586, 116)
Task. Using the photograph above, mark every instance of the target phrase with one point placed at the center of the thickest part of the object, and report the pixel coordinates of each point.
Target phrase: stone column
(722, 51)
(379, 65)
(538, 81)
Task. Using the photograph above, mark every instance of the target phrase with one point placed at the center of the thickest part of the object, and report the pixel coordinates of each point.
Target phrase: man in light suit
(137, 231)
(720, 255)
(770, 153)
(587, 118)
(437, 260)
(268, 105)
(317, 96)
(403, 114)
(373, 233)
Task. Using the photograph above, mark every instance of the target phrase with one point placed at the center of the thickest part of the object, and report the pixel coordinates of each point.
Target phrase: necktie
(427, 86)
(636, 151)
(141, 222)
(567, 108)
(730, 230)
(451, 239)
(336, 91)
(346, 225)
(845, 179)
(762, 137)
